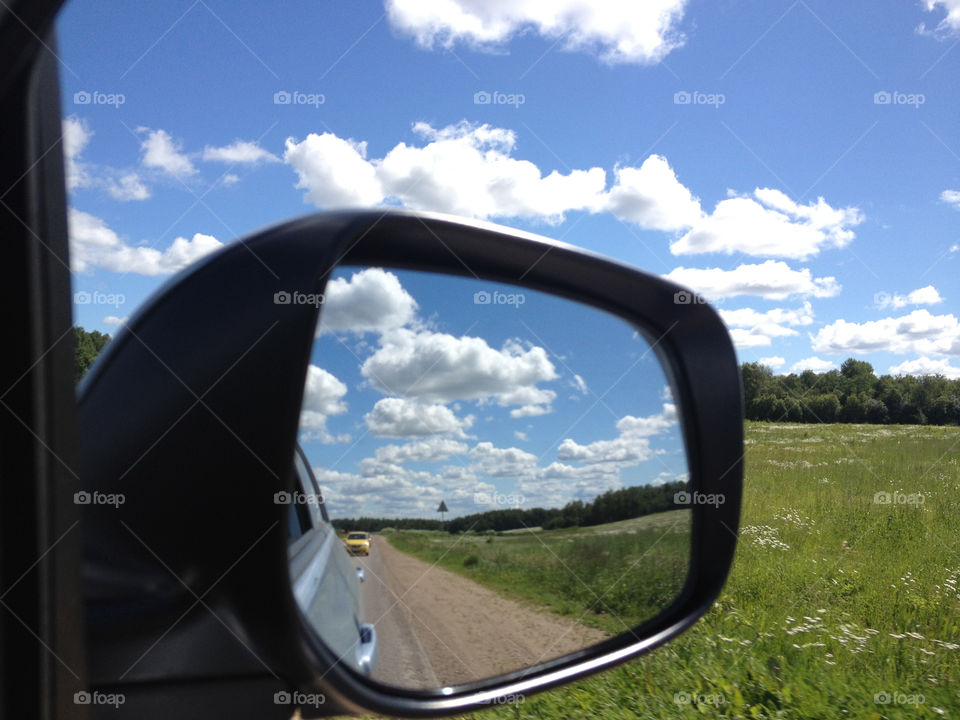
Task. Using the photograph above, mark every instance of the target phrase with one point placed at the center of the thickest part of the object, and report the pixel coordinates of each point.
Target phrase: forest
(852, 394)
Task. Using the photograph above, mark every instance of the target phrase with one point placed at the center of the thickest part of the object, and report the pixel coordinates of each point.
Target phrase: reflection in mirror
(506, 467)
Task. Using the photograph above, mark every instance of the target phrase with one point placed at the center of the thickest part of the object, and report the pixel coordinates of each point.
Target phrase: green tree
(86, 348)
(823, 408)
(857, 376)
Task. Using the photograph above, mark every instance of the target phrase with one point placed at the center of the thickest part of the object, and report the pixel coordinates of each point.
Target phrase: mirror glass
(504, 467)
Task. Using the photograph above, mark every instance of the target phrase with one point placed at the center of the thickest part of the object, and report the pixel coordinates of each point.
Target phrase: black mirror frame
(161, 385)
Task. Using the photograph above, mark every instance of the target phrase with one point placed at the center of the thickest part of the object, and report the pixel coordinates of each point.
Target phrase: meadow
(843, 601)
(611, 576)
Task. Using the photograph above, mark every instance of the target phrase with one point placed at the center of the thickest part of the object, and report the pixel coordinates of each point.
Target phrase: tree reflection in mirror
(547, 430)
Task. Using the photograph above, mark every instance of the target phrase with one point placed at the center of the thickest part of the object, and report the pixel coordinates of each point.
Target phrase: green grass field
(611, 576)
(839, 605)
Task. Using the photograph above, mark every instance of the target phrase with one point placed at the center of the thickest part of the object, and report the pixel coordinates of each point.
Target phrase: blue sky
(797, 163)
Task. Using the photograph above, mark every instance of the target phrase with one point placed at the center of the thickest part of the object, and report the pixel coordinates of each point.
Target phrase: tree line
(611, 506)
(852, 394)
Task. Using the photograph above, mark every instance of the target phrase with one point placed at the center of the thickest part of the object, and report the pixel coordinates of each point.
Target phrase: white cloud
(401, 417)
(769, 224)
(922, 296)
(76, 137)
(466, 169)
(230, 179)
(114, 321)
(949, 25)
(120, 185)
(492, 461)
(334, 172)
(619, 32)
(440, 367)
(161, 152)
(579, 384)
(774, 362)
(926, 366)
(322, 397)
(772, 279)
(630, 447)
(433, 449)
(652, 197)
(371, 300)
(751, 328)
(93, 244)
(519, 435)
(951, 197)
(812, 363)
(127, 187)
(918, 332)
(239, 152)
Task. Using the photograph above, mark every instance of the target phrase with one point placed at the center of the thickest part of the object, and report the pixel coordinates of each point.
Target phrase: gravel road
(436, 628)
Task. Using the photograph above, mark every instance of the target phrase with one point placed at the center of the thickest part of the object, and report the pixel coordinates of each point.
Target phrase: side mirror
(191, 416)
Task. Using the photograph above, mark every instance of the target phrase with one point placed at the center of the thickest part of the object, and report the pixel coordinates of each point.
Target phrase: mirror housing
(191, 415)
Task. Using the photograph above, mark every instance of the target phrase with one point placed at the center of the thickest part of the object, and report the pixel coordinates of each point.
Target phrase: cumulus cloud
(949, 25)
(751, 328)
(617, 32)
(114, 321)
(433, 449)
(438, 367)
(926, 366)
(322, 397)
(94, 245)
(951, 197)
(769, 224)
(385, 484)
(652, 197)
(239, 152)
(492, 461)
(921, 296)
(120, 185)
(630, 447)
(918, 332)
(76, 137)
(127, 187)
(812, 363)
(774, 362)
(334, 172)
(772, 279)
(462, 169)
(402, 417)
(161, 152)
(371, 300)
(468, 169)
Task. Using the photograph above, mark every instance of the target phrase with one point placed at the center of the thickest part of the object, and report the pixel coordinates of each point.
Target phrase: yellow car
(358, 543)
